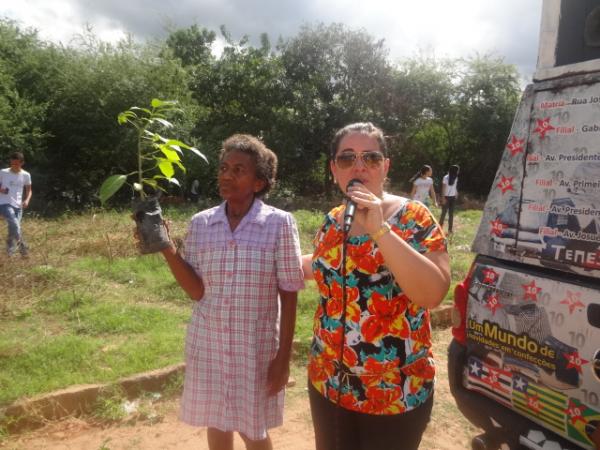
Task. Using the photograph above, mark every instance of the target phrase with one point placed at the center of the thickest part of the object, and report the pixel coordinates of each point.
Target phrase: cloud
(509, 28)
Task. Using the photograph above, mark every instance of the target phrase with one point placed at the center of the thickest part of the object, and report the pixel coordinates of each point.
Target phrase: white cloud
(447, 28)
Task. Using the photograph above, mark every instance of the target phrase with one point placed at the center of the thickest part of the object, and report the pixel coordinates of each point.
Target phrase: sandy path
(448, 430)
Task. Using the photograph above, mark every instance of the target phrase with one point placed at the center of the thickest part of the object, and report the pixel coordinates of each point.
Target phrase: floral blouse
(388, 364)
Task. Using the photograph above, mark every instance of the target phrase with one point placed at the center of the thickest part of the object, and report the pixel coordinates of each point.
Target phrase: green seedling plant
(157, 156)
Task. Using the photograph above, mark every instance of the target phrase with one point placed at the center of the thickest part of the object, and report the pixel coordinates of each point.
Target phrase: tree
(239, 92)
(334, 76)
(191, 45)
(96, 82)
(26, 72)
(459, 112)
(488, 96)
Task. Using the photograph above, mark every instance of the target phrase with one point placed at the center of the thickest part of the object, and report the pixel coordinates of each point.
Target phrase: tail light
(459, 312)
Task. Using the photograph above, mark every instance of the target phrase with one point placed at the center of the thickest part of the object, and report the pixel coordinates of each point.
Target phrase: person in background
(371, 369)
(422, 186)
(449, 194)
(242, 266)
(14, 181)
(195, 191)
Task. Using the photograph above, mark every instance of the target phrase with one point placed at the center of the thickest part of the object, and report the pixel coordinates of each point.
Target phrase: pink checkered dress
(234, 330)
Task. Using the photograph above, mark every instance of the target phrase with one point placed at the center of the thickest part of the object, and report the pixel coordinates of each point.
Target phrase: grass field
(86, 308)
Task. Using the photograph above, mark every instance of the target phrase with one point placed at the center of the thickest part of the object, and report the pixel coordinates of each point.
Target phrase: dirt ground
(448, 430)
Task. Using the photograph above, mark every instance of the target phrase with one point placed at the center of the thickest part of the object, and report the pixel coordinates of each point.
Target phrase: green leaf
(181, 166)
(199, 153)
(146, 110)
(175, 143)
(170, 154)
(125, 117)
(150, 182)
(163, 122)
(110, 186)
(166, 167)
(156, 103)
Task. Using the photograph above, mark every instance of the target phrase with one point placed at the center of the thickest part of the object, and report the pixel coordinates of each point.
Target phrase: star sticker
(497, 227)
(573, 301)
(534, 403)
(575, 361)
(515, 145)
(543, 126)
(493, 304)
(489, 276)
(574, 412)
(520, 384)
(505, 184)
(531, 291)
(475, 368)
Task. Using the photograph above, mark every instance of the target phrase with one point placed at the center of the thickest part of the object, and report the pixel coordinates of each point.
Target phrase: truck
(524, 361)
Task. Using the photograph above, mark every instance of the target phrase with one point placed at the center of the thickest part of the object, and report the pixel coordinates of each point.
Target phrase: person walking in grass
(449, 194)
(241, 264)
(14, 182)
(195, 191)
(422, 186)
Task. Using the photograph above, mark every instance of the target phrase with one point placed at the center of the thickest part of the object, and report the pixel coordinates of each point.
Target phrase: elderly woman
(371, 369)
(242, 265)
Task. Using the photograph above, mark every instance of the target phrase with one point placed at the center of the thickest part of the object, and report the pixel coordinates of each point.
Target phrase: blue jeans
(13, 220)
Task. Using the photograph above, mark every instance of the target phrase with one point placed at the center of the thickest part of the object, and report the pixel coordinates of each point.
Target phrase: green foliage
(174, 385)
(153, 150)
(334, 76)
(58, 104)
(26, 68)
(109, 405)
(89, 317)
(191, 45)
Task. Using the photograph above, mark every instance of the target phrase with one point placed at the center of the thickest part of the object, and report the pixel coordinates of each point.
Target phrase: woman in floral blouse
(380, 393)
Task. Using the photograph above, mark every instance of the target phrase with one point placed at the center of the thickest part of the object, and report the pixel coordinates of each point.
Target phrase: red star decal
(575, 361)
(574, 412)
(573, 301)
(515, 145)
(497, 227)
(534, 403)
(489, 276)
(543, 126)
(505, 184)
(493, 378)
(531, 291)
(493, 304)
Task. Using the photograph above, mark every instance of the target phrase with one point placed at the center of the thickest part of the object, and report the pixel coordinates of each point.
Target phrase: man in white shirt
(14, 181)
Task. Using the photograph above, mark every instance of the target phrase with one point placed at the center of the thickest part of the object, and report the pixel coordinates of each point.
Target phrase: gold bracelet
(385, 228)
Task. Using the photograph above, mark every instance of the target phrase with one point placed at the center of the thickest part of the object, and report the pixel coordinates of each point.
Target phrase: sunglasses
(370, 159)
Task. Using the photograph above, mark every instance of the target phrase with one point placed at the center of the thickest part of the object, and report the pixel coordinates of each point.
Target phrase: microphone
(350, 208)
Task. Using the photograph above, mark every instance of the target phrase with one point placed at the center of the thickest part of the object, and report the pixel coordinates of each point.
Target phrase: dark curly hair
(265, 161)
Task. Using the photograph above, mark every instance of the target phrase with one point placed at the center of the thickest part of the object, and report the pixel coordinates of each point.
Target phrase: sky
(443, 28)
